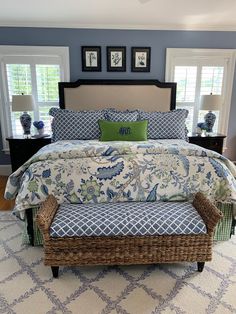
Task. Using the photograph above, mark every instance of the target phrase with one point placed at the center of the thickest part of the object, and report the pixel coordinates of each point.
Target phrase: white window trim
(229, 55)
(21, 51)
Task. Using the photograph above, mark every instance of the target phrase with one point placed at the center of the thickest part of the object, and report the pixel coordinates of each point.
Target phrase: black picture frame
(116, 59)
(140, 59)
(91, 58)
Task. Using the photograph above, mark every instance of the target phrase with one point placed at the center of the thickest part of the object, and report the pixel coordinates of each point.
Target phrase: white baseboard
(5, 170)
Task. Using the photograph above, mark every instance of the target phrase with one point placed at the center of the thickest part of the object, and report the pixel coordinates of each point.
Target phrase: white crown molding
(183, 27)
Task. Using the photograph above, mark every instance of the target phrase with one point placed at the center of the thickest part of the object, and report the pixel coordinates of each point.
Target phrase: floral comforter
(93, 171)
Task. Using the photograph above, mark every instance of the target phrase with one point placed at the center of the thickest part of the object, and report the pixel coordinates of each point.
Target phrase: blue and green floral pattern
(92, 171)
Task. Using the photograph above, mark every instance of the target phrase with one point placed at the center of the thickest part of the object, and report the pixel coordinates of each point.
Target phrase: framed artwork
(116, 59)
(141, 59)
(91, 58)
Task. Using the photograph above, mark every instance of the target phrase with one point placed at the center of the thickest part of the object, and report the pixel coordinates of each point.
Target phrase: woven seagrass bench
(127, 233)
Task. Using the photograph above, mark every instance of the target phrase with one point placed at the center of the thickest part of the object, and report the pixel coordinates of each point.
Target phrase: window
(201, 72)
(30, 70)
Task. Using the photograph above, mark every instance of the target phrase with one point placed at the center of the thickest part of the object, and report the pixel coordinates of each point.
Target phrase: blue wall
(157, 40)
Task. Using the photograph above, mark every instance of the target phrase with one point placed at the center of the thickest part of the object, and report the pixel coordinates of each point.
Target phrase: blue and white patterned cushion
(128, 218)
(115, 115)
(166, 125)
(72, 125)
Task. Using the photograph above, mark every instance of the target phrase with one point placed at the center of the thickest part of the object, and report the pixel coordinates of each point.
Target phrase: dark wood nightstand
(214, 141)
(22, 149)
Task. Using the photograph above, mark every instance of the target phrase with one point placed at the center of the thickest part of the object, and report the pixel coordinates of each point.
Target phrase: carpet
(27, 286)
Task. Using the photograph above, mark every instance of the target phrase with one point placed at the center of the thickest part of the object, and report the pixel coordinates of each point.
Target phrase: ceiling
(121, 14)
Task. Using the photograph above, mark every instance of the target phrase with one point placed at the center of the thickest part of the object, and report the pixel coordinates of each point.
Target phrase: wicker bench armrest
(46, 214)
(207, 210)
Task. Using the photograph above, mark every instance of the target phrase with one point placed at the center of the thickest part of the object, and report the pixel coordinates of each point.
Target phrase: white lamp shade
(22, 103)
(211, 102)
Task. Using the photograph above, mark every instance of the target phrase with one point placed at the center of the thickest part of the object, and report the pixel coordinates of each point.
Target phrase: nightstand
(22, 149)
(214, 141)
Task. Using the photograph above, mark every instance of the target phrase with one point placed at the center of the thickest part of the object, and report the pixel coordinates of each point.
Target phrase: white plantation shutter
(191, 85)
(186, 77)
(30, 70)
(48, 75)
(18, 82)
(47, 78)
(211, 82)
(20, 79)
(201, 72)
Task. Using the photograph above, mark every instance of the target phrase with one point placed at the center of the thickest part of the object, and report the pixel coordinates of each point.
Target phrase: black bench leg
(55, 270)
(30, 225)
(200, 266)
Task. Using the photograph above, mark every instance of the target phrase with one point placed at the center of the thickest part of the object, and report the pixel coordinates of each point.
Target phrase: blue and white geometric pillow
(72, 125)
(124, 116)
(54, 110)
(166, 125)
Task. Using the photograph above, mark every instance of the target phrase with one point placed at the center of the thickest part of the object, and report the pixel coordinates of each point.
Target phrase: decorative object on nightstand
(201, 128)
(213, 141)
(39, 125)
(22, 149)
(23, 103)
(211, 103)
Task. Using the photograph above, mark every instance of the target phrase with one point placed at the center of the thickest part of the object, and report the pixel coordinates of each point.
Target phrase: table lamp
(211, 103)
(23, 103)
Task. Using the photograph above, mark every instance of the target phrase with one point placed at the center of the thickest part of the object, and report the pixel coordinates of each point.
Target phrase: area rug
(27, 286)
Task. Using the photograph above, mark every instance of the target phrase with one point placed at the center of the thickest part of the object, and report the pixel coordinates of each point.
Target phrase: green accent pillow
(123, 131)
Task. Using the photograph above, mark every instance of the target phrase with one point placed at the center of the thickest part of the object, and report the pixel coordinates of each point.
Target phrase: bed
(85, 171)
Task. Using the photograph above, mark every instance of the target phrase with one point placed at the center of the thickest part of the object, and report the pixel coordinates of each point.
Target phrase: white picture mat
(140, 59)
(116, 55)
(91, 58)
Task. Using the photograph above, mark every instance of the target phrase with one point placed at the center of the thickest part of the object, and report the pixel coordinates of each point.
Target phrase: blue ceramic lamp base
(25, 120)
(210, 119)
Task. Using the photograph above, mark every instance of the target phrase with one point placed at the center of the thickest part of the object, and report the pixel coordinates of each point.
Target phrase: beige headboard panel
(123, 94)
